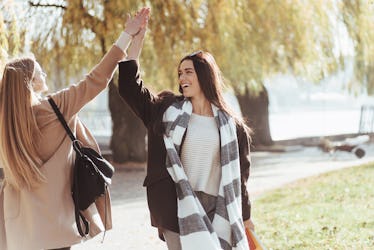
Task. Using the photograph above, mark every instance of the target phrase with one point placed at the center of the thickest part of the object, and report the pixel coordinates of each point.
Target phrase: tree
(249, 39)
(82, 33)
(89, 28)
(12, 36)
(359, 19)
(260, 38)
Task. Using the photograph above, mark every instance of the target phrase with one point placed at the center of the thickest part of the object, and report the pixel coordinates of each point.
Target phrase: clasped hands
(136, 26)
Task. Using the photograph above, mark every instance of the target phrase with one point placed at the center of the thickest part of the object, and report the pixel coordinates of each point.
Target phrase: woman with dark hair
(198, 155)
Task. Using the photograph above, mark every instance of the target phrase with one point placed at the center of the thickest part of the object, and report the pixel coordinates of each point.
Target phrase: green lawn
(330, 211)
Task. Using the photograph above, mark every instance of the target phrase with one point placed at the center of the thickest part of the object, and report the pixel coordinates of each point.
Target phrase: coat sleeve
(132, 90)
(72, 99)
(245, 163)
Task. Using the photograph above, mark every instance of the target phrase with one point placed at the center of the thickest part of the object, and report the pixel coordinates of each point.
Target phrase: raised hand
(136, 46)
(136, 23)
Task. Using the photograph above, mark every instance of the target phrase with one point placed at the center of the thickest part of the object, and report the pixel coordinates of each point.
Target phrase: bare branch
(32, 4)
(91, 22)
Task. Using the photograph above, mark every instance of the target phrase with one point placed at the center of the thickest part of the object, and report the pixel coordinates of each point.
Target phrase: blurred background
(293, 68)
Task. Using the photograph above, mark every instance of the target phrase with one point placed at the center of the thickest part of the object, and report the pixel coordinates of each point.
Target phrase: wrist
(132, 34)
(123, 41)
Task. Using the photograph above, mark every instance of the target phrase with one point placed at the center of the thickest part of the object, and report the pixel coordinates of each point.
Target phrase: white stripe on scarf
(196, 231)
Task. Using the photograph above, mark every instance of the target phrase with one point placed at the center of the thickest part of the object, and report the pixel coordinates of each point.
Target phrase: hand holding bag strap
(78, 215)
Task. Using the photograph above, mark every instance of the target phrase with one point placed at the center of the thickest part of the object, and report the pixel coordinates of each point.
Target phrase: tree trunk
(128, 132)
(255, 110)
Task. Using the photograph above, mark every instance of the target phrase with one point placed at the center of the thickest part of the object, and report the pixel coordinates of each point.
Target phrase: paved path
(132, 228)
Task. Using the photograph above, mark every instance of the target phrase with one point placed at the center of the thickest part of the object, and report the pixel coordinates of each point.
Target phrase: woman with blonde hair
(36, 207)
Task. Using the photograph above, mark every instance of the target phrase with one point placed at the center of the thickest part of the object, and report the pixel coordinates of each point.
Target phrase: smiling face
(188, 80)
(38, 81)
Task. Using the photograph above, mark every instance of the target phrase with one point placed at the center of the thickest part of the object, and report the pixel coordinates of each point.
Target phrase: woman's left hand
(249, 224)
(133, 53)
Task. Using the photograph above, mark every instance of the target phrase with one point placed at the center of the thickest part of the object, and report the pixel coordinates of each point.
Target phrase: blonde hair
(18, 127)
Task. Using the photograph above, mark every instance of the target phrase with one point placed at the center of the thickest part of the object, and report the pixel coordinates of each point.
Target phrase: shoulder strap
(78, 215)
(61, 118)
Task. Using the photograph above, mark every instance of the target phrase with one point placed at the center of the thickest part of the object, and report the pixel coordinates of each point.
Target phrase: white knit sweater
(200, 154)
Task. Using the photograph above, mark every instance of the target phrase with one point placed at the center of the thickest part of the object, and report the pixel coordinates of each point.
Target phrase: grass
(330, 211)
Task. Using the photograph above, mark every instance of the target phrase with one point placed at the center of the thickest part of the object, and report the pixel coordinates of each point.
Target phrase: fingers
(141, 14)
(145, 11)
(137, 22)
(128, 17)
(144, 23)
(143, 17)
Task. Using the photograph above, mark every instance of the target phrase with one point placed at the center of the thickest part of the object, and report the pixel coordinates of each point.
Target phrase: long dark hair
(211, 83)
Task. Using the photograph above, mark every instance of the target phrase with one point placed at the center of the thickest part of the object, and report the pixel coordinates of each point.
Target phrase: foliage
(359, 19)
(330, 211)
(250, 39)
(12, 36)
(259, 38)
(64, 49)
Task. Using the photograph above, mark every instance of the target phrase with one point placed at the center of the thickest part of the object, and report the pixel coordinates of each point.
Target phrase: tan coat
(44, 218)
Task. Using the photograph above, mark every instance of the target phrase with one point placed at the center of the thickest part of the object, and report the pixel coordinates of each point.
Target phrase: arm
(132, 90)
(131, 87)
(72, 99)
(245, 163)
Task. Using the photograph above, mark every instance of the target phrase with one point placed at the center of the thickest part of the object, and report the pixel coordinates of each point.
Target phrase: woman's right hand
(135, 24)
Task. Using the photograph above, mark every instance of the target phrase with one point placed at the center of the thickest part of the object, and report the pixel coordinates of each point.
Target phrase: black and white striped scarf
(226, 231)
